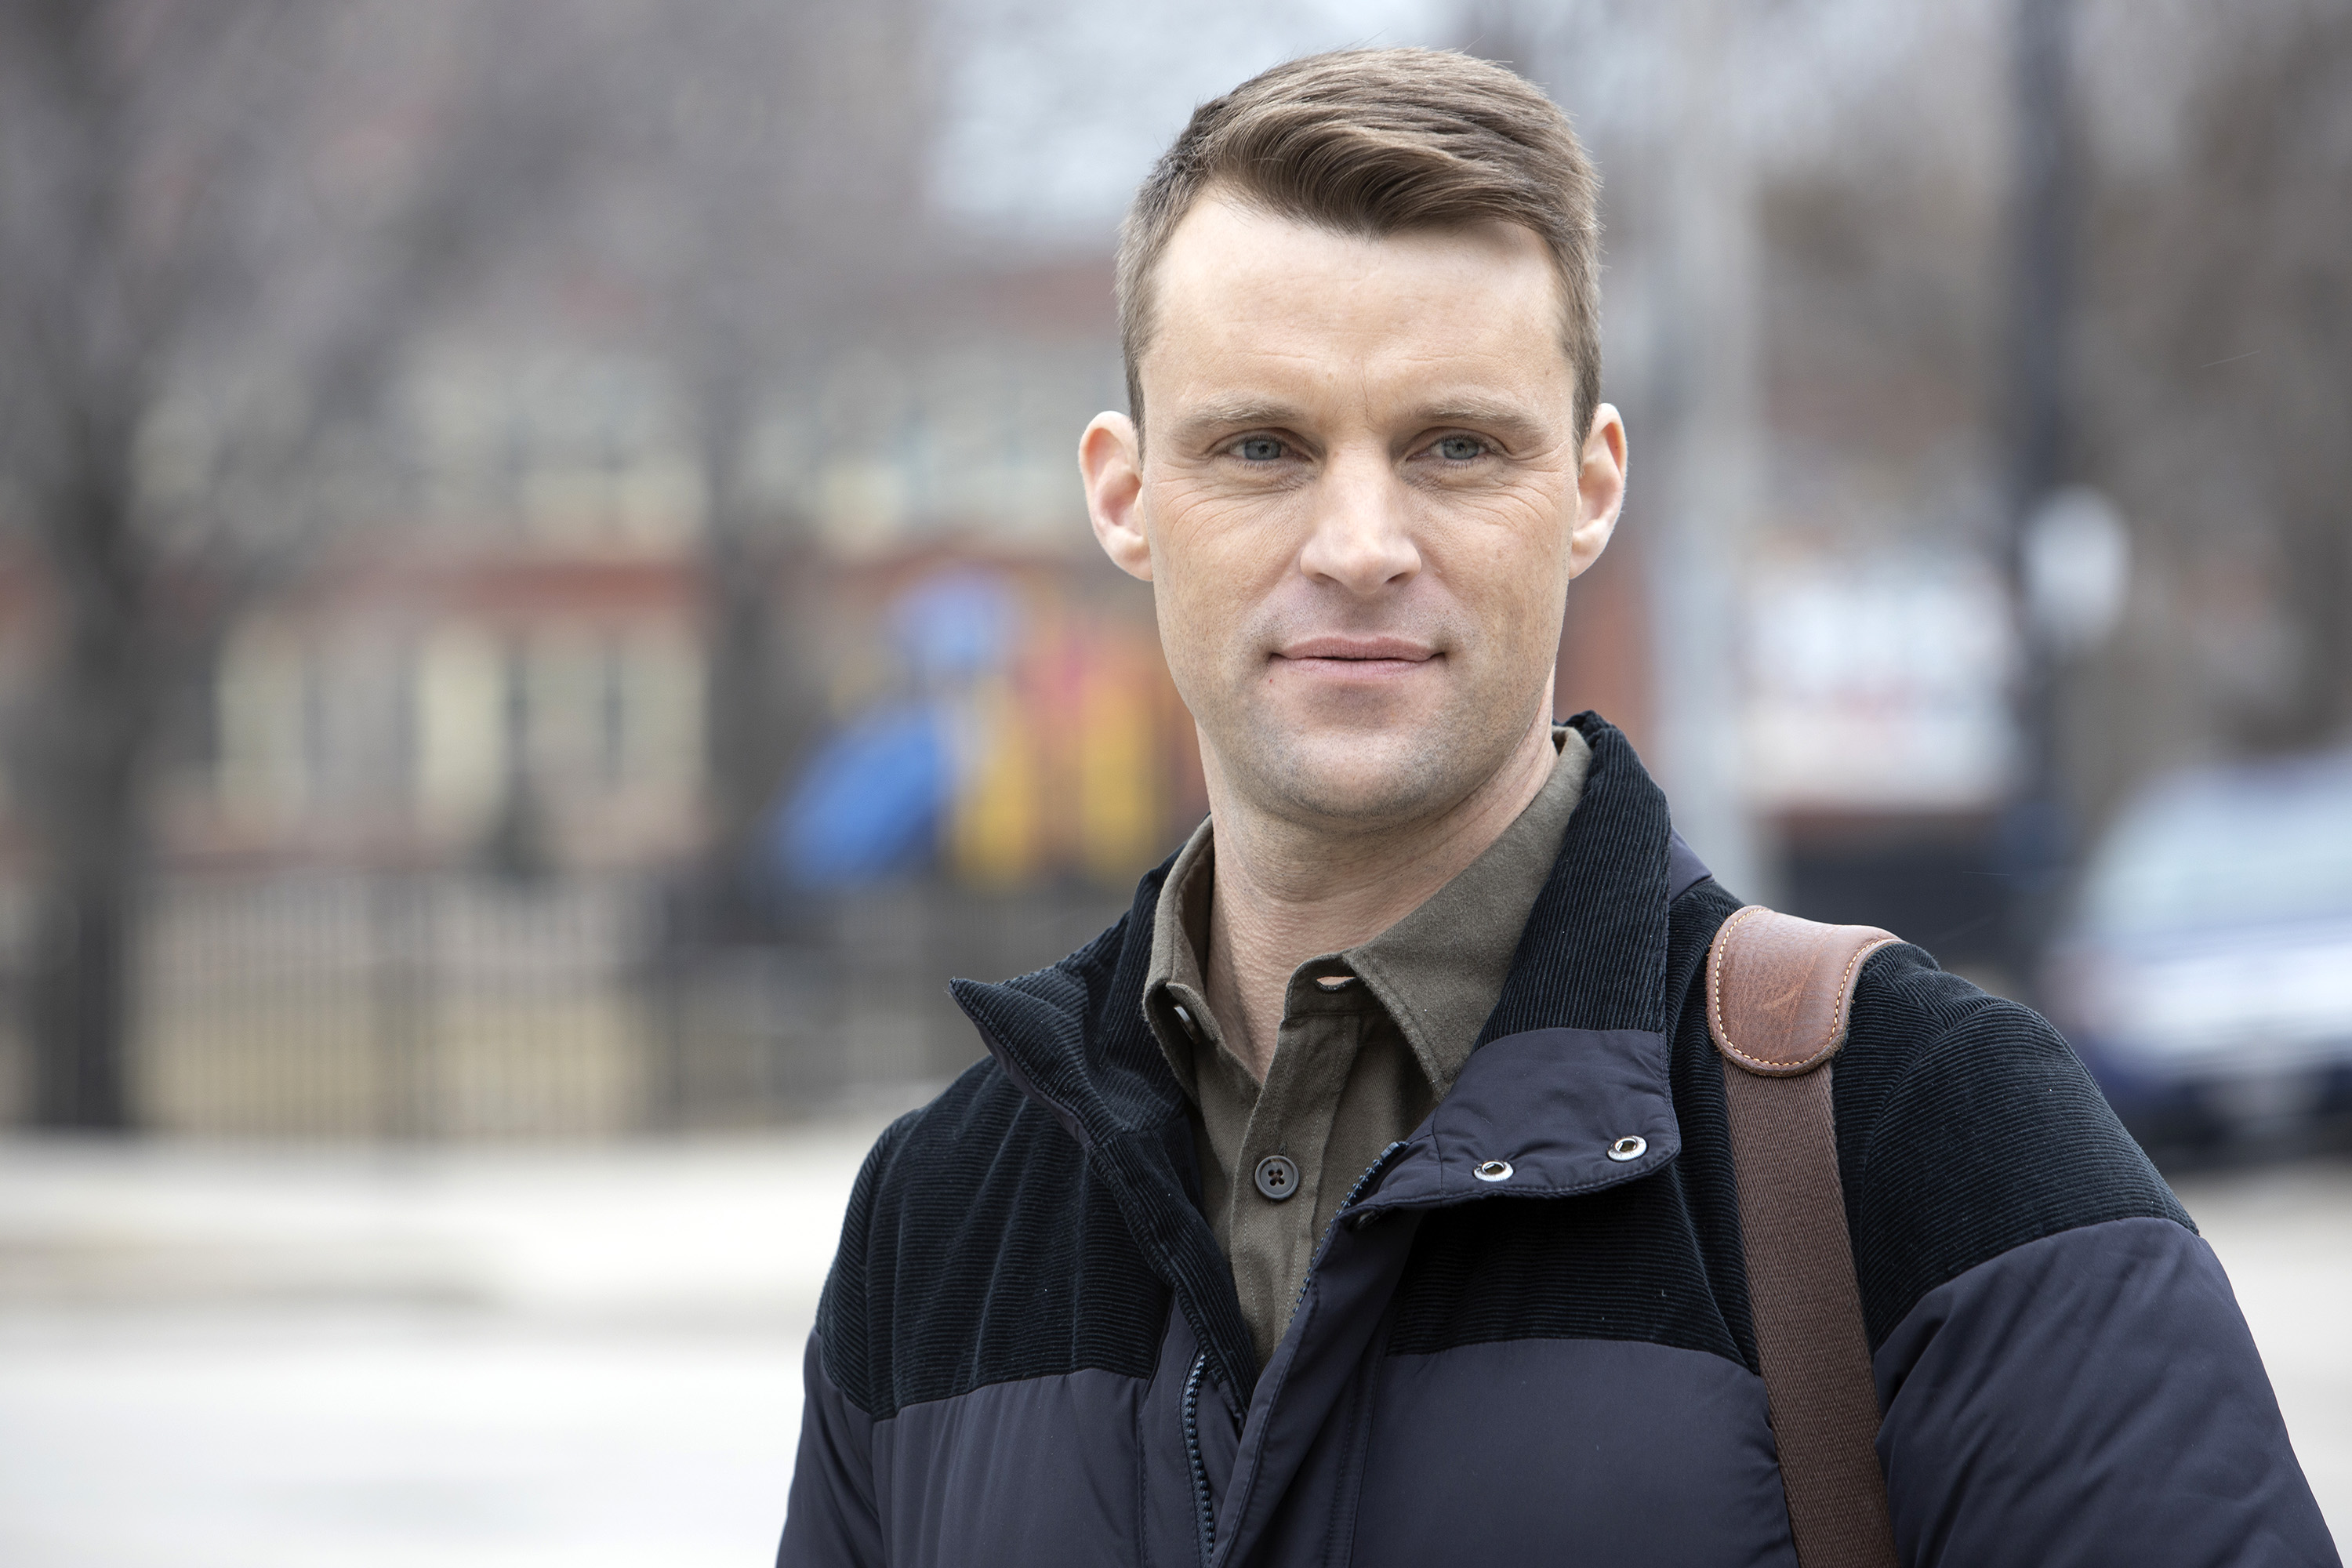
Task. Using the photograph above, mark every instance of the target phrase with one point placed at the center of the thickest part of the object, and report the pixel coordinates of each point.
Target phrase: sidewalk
(258, 1358)
(280, 1359)
(2285, 1237)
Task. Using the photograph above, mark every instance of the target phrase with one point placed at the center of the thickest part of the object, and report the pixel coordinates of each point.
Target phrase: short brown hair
(1373, 143)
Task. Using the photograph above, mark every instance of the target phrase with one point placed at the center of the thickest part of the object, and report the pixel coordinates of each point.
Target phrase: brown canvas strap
(1778, 992)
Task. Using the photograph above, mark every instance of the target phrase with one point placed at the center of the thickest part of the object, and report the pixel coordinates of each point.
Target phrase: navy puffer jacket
(1030, 1352)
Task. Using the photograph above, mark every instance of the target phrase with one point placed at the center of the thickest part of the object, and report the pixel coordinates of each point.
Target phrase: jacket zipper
(1204, 1513)
(1380, 1162)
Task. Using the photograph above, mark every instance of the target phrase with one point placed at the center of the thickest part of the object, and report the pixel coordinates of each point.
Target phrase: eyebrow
(1507, 419)
(1205, 422)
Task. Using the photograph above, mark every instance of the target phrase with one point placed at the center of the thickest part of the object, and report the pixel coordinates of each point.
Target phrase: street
(250, 1358)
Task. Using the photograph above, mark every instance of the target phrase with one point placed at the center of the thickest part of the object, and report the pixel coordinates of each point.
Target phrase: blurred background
(545, 606)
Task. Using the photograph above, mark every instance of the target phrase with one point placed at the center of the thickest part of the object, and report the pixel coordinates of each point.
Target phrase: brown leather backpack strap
(1779, 989)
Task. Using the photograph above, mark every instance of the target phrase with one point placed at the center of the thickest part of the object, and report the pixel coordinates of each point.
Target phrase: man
(1364, 1195)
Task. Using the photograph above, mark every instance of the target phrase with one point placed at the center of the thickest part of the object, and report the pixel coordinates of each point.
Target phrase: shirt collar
(1438, 971)
(1176, 988)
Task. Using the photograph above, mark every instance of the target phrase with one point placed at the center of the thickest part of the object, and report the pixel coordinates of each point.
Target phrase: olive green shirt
(1370, 1040)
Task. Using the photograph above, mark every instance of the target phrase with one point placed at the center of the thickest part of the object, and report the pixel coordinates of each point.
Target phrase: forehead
(1243, 290)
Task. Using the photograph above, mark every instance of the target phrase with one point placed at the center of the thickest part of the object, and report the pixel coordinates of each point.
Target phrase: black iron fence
(401, 1004)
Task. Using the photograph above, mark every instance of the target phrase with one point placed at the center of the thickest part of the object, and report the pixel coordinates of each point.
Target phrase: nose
(1361, 537)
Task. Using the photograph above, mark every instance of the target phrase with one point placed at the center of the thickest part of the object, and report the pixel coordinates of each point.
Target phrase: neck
(1286, 892)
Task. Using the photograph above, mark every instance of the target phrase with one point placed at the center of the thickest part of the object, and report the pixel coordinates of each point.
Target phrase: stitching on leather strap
(1719, 956)
(1715, 962)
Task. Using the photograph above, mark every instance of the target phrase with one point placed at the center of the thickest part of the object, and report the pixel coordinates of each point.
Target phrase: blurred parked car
(2206, 975)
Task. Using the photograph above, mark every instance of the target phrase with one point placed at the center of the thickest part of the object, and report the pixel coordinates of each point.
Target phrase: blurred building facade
(448, 795)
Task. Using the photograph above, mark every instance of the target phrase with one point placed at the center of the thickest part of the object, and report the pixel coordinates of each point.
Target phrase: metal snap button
(1629, 1148)
(1494, 1171)
(1183, 1017)
(1277, 1178)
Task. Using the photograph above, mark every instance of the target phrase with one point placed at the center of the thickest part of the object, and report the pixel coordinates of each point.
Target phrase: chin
(1371, 777)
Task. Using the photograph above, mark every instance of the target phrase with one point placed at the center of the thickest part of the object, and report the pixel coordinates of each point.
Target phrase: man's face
(1360, 503)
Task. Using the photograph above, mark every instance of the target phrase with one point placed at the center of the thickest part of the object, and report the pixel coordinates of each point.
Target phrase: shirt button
(1277, 1178)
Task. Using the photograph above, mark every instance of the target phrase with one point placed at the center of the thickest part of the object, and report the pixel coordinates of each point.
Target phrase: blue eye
(1259, 449)
(1460, 449)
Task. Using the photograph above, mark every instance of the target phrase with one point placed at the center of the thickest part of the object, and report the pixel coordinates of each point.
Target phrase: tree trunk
(77, 1003)
(91, 724)
(85, 921)
(756, 718)
(741, 712)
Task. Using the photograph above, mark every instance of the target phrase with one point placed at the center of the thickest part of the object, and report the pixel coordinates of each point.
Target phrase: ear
(1599, 489)
(1111, 463)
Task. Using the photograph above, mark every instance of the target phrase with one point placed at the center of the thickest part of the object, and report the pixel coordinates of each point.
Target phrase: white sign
(1878, 682)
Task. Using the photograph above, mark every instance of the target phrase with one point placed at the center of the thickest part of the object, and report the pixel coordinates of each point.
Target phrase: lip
(1365, 650)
